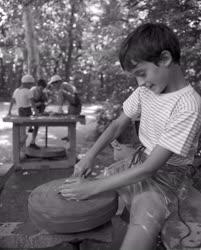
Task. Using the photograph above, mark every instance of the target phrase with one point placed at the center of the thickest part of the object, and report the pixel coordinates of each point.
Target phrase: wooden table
(56, 121)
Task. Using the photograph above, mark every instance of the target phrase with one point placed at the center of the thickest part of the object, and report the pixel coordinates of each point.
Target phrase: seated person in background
(66, 92)
(23, 97)
(40, 98)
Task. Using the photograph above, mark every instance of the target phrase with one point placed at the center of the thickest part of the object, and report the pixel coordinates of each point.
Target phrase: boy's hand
(79, 189)
(36, 113)
(84, 167)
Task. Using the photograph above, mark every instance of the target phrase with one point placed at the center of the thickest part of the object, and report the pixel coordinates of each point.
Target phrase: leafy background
(79, 39)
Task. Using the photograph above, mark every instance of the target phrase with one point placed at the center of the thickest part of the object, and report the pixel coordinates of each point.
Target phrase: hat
(55, 78)
(27, 79)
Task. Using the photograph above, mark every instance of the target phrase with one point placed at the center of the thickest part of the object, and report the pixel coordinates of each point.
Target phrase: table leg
(46, 136)
(16, 144)
(76, 244)
(72, 140)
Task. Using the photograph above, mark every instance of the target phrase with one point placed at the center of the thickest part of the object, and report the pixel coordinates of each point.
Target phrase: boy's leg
(33, 140)
(23, 136)
(147, 217)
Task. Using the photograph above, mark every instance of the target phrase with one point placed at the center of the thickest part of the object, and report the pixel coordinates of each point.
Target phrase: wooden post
(72, 140)
(16, 144)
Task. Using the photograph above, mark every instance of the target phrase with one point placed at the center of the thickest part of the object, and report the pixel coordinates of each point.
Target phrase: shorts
(41, 108)
(25, 112)
(166, 184)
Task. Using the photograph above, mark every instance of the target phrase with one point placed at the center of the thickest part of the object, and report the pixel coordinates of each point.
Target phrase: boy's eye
(140, 74)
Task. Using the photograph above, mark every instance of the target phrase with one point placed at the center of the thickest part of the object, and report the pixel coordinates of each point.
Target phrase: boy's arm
(112, 132)
(79, 189)
(157, 159)
(34, 106)
(12, 101)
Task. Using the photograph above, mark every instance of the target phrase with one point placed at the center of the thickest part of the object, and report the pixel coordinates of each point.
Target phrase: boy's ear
(165, 58)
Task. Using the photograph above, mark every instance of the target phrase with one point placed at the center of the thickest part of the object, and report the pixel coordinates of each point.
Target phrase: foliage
(80, 40)
(106, 115)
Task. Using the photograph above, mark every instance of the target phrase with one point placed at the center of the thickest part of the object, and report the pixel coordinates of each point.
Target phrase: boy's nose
(140, 82)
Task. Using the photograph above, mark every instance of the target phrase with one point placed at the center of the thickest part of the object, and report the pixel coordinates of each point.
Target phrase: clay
(52, 212)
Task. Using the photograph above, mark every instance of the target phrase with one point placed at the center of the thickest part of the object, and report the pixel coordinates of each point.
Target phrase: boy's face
(56, 85)
(151, 76)
(27, 85)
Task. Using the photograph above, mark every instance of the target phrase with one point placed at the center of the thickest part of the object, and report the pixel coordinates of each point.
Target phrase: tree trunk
(68, 63)
(33, 54)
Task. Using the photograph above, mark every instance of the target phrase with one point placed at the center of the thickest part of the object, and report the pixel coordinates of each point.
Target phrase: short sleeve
(35, 93)
(132, 105)
(181, 132)
(14, 94)
(30, 94)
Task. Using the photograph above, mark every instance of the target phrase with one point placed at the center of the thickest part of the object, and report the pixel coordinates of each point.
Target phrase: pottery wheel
(46, 152)
(52, 212)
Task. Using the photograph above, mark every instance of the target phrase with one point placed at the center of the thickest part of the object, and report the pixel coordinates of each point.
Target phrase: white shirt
(23, 97)
(171, 120)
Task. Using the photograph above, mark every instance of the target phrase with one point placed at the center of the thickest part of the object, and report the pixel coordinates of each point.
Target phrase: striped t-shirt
(171, 120)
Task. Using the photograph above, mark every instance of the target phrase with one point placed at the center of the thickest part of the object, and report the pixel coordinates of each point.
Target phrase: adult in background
(66, 92)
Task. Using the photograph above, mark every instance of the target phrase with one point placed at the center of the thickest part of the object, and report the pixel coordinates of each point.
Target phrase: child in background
(151, 181)
(40, 99)
(23, 97)
(39, 95)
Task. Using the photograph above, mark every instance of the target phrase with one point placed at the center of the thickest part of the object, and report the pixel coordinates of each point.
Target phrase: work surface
(45, 120)
(14, 213)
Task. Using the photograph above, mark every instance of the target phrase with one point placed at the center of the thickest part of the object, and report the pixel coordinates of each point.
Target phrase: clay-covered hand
(84, 167)
(79, 189)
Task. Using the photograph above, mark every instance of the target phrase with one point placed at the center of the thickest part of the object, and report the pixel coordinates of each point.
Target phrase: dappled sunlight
(92, 108)
(5, 125)
(90, 117)
(50, 136)
(5, 142)
(89, 111)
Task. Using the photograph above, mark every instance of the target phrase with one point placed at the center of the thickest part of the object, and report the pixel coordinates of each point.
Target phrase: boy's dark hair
(146, 43)
(42, 83)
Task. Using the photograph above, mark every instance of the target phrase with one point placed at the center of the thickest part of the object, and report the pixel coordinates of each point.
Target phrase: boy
(151, 182)
(23, 97)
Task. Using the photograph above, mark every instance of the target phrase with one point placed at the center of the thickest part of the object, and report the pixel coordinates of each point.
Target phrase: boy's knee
(148, 210)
